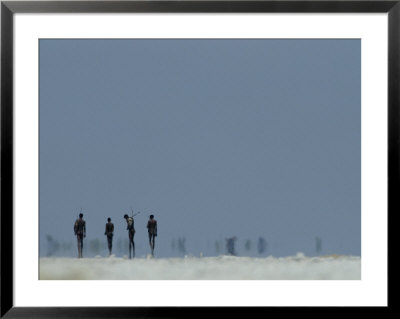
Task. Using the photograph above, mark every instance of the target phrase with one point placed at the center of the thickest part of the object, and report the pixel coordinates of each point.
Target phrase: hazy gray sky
(217, 138)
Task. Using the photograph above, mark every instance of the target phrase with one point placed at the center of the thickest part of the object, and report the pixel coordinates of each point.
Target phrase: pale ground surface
(299, 267)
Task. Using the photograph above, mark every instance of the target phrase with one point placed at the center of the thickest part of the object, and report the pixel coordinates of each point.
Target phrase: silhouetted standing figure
(109, 233)
(80, 233)
(182, 245)
(230, 246)
(261, 245)
(131, 233)
(152, 229)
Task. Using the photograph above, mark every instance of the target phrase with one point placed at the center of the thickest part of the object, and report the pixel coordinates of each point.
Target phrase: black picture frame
(9, 8)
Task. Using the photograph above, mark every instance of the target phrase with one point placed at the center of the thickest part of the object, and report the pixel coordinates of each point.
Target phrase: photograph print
(199, 159)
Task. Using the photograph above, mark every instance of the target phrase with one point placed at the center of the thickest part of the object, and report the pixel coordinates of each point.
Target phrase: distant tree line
(178, 246)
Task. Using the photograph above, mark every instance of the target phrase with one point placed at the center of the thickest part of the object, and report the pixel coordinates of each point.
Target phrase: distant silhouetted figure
(182, 245)
(247, 245)
(230, 246)
(261, 245)
(80, 233)
(52, 246)
(152, 229)
(109, 233)
(131, 233)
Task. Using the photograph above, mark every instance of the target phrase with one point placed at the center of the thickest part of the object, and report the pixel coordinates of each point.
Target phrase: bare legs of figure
(80, 245)
(152, 239)
(109, 240)
(131, 246)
